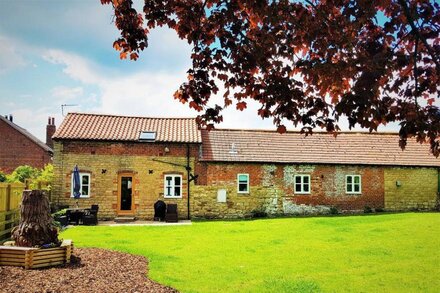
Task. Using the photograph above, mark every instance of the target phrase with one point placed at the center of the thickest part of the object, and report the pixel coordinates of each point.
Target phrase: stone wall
(146, 162)
(271, 185)
(271, 190)
(418, 188)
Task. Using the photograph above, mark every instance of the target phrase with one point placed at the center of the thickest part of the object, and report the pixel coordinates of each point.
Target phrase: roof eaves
(315, 163)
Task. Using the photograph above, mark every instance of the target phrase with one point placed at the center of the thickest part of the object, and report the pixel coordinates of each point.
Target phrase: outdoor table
(77, 213)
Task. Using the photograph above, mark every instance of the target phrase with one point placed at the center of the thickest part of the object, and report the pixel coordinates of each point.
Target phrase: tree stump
(36, 225)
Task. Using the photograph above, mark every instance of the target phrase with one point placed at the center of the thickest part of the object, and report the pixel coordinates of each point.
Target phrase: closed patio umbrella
(76, 184)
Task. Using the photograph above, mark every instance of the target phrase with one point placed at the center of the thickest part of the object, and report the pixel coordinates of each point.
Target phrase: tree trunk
(36, 227)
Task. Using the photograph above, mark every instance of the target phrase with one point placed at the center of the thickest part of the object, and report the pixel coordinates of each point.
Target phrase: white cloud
(75, 66)
(35, 120)
(10, 58)
(149, 94)
(145, 93)
(64, 93)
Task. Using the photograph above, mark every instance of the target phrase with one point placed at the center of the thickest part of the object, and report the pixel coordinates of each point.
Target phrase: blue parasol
(76, 183)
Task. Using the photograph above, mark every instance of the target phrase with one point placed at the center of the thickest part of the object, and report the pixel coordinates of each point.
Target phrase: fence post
(8, 206)
(8, 198)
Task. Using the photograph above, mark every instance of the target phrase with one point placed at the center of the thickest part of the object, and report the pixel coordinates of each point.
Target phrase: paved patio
(145, 223)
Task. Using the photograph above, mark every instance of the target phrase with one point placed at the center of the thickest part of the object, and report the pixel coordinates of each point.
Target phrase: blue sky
(60, 52)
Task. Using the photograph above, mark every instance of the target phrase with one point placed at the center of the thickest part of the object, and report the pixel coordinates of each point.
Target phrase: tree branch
(416, 31)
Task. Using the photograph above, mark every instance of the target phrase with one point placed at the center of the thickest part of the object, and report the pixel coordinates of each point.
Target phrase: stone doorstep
(124, 219)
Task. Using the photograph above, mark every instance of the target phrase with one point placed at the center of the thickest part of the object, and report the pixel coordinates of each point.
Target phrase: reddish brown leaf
(241, 106)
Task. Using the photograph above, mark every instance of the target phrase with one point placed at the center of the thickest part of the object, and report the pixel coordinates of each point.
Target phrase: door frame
(131, 211)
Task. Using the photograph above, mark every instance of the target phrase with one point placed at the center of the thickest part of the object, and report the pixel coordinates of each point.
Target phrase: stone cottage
(128, 163)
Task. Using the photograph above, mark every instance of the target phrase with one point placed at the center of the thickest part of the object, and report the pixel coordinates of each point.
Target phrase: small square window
(302, 184)
(243, 183)
(353, 184)
(84, 188)
(173, 186)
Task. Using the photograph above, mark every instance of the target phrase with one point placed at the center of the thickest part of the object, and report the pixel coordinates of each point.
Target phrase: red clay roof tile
(84, 126)
(320, 148)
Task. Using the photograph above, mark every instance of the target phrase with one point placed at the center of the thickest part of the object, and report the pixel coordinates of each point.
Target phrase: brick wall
(418, 188)
(105, 160)
(272, 192)
(16, 149)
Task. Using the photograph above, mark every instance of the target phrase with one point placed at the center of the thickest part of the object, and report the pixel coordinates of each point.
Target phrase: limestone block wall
(418, 188)
(105, 166)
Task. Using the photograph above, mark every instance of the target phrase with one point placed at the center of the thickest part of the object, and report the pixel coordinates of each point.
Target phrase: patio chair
(171, 215)
(91, 215)
(73, 217)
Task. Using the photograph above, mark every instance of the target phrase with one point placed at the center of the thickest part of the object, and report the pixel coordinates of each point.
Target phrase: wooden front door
(125, 194)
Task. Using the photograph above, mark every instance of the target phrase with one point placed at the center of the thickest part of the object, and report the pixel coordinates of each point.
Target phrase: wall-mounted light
(398, 183)
(166, 150)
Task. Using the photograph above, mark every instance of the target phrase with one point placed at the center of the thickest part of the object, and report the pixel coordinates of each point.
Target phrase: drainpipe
(188, 170)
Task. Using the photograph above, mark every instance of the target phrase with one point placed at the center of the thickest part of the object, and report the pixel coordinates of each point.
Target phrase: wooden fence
(10, 198)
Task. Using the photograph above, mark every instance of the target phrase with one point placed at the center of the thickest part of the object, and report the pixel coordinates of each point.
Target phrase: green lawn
(377, 253)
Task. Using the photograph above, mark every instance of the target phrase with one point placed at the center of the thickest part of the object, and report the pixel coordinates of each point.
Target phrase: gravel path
(91, 270)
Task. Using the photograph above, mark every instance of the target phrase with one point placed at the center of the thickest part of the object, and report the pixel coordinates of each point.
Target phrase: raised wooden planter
(32, 258)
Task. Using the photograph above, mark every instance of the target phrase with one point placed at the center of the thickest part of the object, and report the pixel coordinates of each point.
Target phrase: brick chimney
(50, 130)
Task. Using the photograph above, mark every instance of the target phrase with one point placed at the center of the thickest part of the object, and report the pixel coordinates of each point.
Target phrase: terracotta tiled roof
(29, 135)
(84, 126)
(321, 148)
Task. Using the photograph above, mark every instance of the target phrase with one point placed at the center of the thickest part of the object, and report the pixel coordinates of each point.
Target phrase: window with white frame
(302, 184)
(243, 183)
(84, 186)
(172, 186)
(353, 184)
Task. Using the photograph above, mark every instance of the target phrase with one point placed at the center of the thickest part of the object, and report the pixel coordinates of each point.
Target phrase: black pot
(62, 220)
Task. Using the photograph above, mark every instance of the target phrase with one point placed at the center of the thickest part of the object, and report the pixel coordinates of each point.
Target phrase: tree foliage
(309, 62)
(39, 178)
(44, 180)
(22, 173)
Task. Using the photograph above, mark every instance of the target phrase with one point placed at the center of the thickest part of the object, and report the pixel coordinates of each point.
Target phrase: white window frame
(173, 186)
(247, 183)
(302, 191)
(81, 174)
(353, 184)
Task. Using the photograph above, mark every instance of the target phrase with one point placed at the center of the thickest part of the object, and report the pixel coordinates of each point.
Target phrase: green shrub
(258, 214)
(367, 210)
(44, 178)
(334, 211)
(2, 177)
(59, 213)
(22, 173)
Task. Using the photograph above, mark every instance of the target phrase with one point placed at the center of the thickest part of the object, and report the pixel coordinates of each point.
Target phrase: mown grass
(377, 253)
